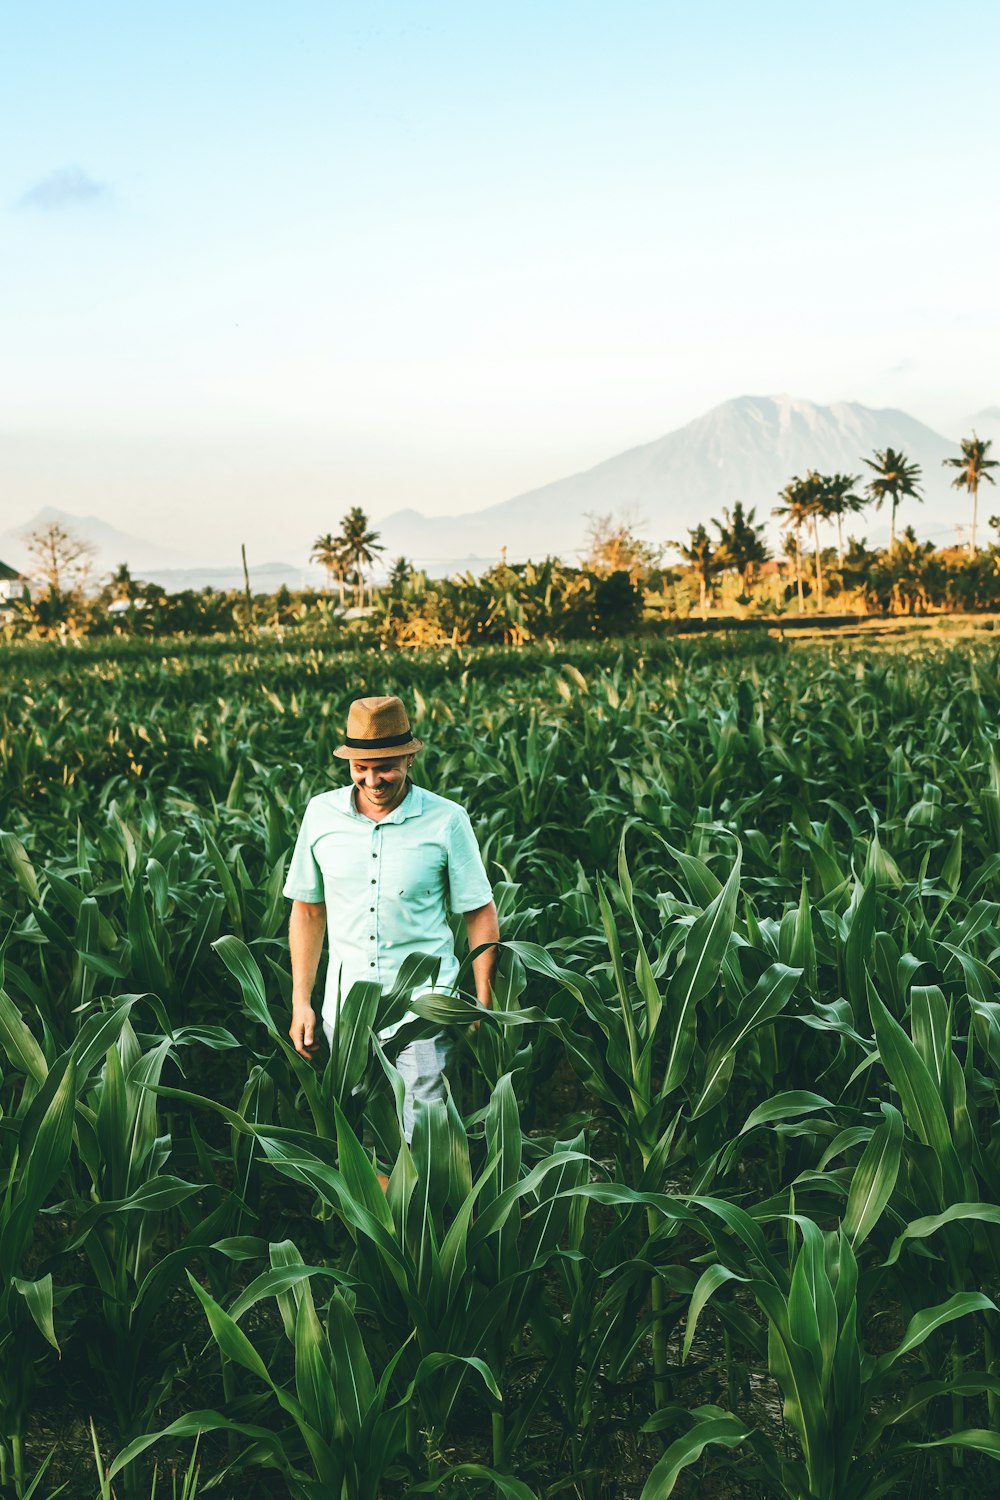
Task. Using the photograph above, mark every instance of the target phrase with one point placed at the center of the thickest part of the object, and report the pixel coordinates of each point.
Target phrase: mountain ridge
(744, 449)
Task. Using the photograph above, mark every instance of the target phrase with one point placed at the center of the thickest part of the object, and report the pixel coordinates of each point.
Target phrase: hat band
(384, 743)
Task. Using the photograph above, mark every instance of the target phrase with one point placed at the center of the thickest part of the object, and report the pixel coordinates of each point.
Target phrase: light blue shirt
(387, 886)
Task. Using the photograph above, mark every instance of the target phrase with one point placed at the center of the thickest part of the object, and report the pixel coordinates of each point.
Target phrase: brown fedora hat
(377, 729)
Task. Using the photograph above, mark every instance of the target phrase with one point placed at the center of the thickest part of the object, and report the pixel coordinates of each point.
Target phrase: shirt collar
(411, 806)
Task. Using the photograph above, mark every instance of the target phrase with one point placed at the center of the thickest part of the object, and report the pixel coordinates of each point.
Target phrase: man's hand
(303, 1030)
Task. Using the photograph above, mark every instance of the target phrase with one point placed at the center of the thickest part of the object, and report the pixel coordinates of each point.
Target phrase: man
(379, 863)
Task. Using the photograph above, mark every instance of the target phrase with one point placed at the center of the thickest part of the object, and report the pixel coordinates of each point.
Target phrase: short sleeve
(469, 887)
(304, 881)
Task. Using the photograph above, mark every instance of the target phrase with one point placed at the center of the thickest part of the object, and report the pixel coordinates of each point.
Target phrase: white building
(13, 585)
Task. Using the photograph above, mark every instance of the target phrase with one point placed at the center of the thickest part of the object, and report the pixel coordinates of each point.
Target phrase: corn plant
(642, 1057)
(842, 1403)
(34, 1155)
(778, 1015)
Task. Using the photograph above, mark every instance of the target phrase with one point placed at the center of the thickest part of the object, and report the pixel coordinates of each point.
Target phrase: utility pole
(246, 585)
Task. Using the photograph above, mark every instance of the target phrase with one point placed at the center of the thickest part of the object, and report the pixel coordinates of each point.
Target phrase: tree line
(620, 584)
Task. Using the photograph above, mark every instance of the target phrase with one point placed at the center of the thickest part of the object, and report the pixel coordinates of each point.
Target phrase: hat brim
(387, 752)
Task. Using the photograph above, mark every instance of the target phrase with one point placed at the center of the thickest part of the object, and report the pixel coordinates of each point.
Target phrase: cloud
(906, 366)
(63, 188)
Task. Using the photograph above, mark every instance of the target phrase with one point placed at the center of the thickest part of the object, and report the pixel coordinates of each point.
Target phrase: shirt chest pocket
(413, 872)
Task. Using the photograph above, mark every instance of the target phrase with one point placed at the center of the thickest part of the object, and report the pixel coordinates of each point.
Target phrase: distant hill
(111, 546)
(985, 424)
(173, 568)
(746, 449)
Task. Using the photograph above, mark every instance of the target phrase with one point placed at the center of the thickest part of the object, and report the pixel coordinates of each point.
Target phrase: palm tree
(702, 558)
(122, 584)
(840, 501)
(894, 480)
(741, 541)
(328, 551)
(972, 465)
(798, 496)
(400, 575)
(360, 547)
(814, 498)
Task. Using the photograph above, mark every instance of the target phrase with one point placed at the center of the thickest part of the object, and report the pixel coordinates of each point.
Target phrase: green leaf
(698, 970)
(701, 882)
(17, 858)
(191, 1425)
(98, 1033)
(969, 1383)
(245, 970)
(919, 1096)
(874, 1177)
(227, 884)
(313, 1381)
(644, 977)
(431, 1363)
(43, 1152)
(767, 999)
(785, 1106)
(708, 1284)
(979, 1439)
(273, 1283)
(147, 959)
(229, 1336)
(352, 1372)
(618, 968)
(688, 1449)
(918, 1229)
(352, 1037)
(924, 1323)
(951, 870)
(18, 1042)
(38, 1295)
(506, 1485)
(858, 949)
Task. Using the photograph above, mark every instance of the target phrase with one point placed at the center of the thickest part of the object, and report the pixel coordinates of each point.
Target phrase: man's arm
(306, 928)
(482, 927)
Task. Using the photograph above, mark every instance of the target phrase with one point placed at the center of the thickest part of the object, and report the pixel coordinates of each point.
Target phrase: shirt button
(374, 854)
(371, 966)
(373, 882)
(371, 908)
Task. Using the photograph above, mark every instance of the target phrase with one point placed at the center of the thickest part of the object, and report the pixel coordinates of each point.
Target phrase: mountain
(174, 569)
(111, 546)
(985, 424)
(746, 449)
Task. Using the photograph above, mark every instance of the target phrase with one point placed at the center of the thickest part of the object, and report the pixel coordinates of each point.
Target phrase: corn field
(714, 1203)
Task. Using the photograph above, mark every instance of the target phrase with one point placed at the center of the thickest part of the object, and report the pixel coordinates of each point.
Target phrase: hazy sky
(262, 261)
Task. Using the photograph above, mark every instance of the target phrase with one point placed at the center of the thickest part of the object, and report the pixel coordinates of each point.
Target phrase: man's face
(381, 783)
